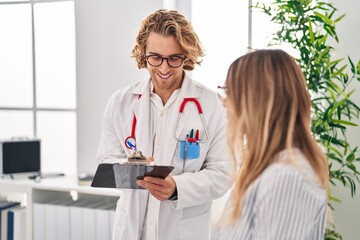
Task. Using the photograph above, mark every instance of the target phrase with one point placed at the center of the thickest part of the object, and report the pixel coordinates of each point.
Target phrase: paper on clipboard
(117, 175)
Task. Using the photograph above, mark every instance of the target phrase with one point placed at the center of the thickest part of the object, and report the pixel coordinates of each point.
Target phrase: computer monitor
(19, 156)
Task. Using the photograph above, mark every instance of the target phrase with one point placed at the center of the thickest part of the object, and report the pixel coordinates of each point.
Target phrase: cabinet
(66, 188)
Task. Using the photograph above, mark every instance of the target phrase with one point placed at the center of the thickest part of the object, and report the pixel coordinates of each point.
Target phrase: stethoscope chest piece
(131, 140)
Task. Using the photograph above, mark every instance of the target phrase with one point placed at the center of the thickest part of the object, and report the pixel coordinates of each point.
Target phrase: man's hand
(149, 161)
(160, 188)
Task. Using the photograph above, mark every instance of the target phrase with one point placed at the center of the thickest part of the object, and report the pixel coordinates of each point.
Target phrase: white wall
(347, 213)
(105, 35)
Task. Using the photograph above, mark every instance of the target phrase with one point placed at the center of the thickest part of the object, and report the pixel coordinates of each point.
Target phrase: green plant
(307, 26)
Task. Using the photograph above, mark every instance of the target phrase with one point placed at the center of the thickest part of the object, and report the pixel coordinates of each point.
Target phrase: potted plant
(308, 26)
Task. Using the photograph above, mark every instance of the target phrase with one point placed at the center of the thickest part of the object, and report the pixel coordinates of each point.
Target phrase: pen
(185, 153)
(191, 133)
(197, 136)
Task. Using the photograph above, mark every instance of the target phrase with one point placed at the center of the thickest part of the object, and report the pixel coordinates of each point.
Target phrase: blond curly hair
(169, 23)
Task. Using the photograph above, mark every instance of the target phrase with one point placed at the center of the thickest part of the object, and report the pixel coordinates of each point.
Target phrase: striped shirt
(284, 202)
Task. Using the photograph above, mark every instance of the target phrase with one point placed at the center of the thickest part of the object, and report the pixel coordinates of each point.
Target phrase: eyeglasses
(173, 61)
(222, 90)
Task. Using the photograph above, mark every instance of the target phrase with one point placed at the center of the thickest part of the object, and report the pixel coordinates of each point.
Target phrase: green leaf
(344, 122)
(340, 71)
(353, 168)
(334, 87)
(319, 122)
(312, 38)
(339, 18)
(330, 234)
(332, 198)
(335, 151)
(353, 70)
(335, 62)
(351, 156)
(330, 113)
(336, 125)
(352, 104)
(324, 18)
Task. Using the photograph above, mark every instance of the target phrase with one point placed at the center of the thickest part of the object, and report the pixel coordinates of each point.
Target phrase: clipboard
(115, 175)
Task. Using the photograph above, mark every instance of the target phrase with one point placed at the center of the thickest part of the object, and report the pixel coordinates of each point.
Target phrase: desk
(28, 192)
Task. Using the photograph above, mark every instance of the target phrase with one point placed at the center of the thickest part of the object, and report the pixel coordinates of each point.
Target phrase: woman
(281, 174)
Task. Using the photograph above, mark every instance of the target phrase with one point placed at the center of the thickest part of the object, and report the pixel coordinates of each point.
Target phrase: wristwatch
(174, 196)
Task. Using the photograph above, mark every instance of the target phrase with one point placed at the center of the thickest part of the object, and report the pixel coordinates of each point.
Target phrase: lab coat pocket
(197, 227)
(189, 150)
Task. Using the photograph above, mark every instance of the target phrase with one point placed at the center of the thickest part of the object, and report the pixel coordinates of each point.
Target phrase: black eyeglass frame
(183, 58)
(222, 95)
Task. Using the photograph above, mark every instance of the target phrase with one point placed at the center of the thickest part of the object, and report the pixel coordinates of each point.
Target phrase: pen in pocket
(197, 136)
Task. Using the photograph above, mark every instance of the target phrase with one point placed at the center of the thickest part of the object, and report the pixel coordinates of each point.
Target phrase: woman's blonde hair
(267, 93)
(169, 23)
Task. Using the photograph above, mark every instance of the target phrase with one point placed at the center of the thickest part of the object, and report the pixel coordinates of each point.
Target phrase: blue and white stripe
(285, 202)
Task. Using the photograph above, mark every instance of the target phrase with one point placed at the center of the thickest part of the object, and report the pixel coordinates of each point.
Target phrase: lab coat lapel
(143, 131)
(188, 89)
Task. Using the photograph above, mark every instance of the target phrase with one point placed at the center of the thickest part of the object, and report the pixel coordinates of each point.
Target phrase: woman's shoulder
(290, 162)
(296, 174)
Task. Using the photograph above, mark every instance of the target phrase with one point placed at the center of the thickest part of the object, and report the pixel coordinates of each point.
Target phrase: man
(193, 142)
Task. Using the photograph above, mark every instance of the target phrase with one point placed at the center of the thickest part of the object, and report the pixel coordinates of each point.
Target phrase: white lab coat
(204, 180)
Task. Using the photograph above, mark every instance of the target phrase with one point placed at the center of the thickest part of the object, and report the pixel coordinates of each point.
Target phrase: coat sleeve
(109, 148)
(213, 179)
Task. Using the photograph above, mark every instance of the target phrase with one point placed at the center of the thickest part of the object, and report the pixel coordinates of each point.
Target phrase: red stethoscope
(130, 141)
